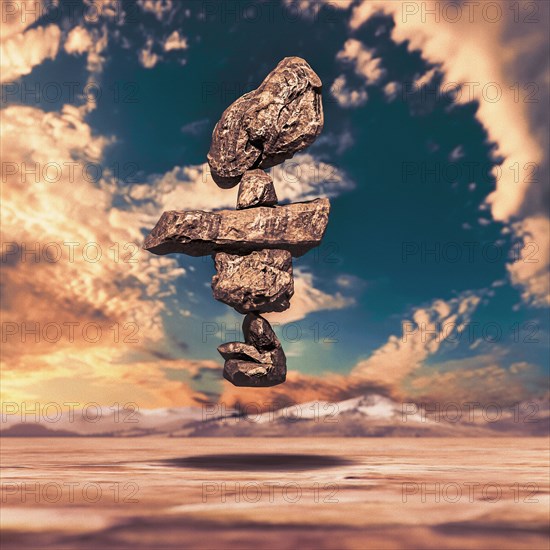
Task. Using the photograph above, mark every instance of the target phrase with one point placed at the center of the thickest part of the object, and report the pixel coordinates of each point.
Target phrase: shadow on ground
(258, 462)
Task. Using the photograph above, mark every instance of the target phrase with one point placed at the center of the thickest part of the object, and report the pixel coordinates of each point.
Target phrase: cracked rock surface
(260, 281)
(245, 373)
(260, 361)
(258, 333)
(246, 352)
(243, 352)
(256, 189)
(268, 125)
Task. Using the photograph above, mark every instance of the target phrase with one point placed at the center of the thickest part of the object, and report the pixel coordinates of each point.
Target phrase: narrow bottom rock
(252, 374)
(259, 361)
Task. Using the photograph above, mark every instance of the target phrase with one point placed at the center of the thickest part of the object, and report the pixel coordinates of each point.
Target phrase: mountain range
(365, 416)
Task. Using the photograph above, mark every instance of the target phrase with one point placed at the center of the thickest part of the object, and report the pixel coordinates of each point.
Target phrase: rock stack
(253, 245)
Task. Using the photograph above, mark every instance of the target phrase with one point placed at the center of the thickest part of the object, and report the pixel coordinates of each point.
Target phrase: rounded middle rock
(261, 281)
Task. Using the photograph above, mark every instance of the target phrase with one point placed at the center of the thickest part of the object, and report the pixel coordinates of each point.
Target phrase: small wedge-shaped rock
(268, 125)
(260, 281)
(296, 227)
(258, 333)
(246, 373)
(256, 189)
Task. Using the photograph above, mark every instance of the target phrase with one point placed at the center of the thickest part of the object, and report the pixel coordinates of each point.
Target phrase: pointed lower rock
(251, 374)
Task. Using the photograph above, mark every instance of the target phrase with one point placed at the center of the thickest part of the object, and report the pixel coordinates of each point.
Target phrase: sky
(431, 283)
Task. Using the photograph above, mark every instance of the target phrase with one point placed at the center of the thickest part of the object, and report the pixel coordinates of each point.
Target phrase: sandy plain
(275, 493)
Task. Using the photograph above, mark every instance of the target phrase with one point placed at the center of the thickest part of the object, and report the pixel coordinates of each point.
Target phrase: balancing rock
(268, 125)
(245, 373)
(260, 281)
(246, 352)
(253, 245)
(256, 189)
(258, 333)
(243, 352)
(295, 227)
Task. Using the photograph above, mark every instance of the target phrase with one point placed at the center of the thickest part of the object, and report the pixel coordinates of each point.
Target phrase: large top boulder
(268, 125)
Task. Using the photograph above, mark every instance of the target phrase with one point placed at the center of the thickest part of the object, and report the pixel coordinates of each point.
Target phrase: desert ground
(275, 493)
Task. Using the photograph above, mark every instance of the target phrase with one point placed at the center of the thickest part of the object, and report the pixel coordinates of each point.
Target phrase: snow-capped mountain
(364, 416)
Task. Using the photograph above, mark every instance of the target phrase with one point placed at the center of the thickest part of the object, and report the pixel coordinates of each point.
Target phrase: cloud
(305, 177)
(99, 374)
(298, 388)
(90, 42)
(453, 45)
(175, 42)
(421, 337)
(151, 52)
(403, 368)
(309, 9)
(78, 41)
(365, 65)
(308, 299)
(192, 188)
(146, 56)
(20, 53)
(196, 127)
(77, 288)
(347, 98)
(162, 9)
(363, 61)
(529, 270)
(508, 78)
(476, 379)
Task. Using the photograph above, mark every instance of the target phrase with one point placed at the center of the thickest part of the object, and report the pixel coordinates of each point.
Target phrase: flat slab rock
(268, 125)
(296, 227)
(256, 189)
(260, 281)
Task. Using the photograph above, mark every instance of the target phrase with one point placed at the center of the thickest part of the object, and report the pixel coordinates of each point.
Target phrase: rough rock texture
(258, 333)
(243, 352)
(246, 373)
(268, 125)
(253, 245)
(256, 189)
(296, 227)
(260, 281)
(260, 361)
(246, 352)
